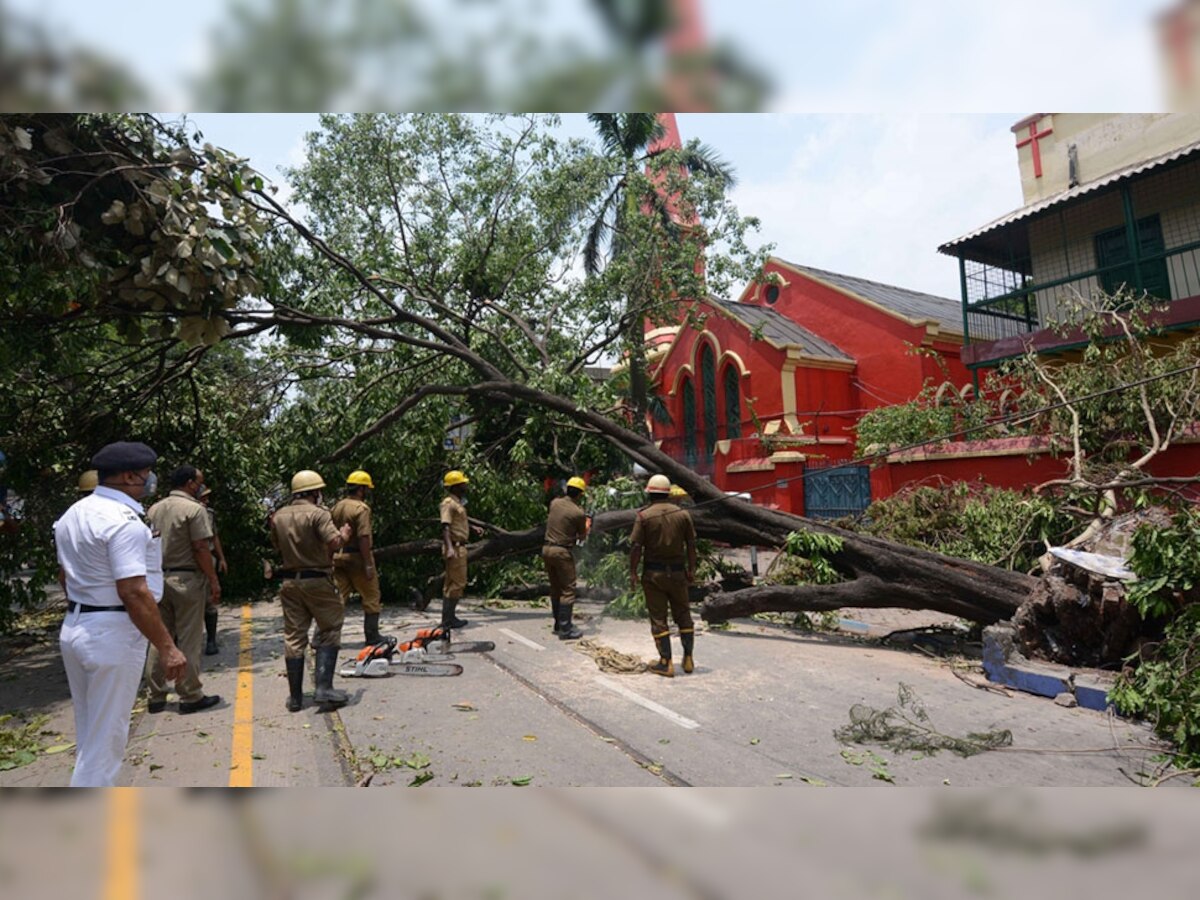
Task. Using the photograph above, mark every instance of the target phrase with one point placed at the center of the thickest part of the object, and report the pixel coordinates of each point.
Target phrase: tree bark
(878, 573)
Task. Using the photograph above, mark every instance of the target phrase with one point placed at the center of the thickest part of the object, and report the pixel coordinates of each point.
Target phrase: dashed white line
(521, 640)
(647, 703)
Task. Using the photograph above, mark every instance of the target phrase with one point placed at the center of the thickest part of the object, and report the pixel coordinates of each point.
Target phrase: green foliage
(20, 740)
(990, 525)
(1167, 563)
(1165, 687)
(920, 420)
(1163, 680)
(812, 550)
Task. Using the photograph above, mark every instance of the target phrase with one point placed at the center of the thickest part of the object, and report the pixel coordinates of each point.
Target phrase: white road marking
(645, 702)
(522, 640)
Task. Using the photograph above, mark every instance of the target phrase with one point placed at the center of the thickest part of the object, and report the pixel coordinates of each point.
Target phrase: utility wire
(1004, 420)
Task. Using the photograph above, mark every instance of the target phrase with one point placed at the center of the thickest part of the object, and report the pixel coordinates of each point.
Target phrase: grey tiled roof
(780, 330)
(912, 304)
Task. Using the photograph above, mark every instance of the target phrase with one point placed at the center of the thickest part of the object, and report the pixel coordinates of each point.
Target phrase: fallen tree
(877, 573)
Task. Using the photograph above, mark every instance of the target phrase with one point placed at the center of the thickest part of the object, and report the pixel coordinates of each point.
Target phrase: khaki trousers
(308, 600)
(350, 573)
(185, 594)
(455, 582)
(560, 570)
(667, 591)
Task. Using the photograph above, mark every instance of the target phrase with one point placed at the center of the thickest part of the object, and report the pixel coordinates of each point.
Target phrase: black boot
(210, 627)
(566, 628)
(326, 693)
(449, 619)
(371, 628)
(689, 642)
(663, 665)
(556, 611)
(295, 673)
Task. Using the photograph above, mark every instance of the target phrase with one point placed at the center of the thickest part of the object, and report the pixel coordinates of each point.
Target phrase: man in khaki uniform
(354, 566)
(566, 525)
(456, 531)
(214, 545)
(306, 538)
(668, 537)
(189, 577)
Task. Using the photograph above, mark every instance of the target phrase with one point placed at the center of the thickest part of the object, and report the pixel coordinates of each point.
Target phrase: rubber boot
(689, 641)
(371, 629)
(210, 628)
(295, 675)
(556, 611)
(449, 619)
(663, 665)
(566, 629)
(326, 693)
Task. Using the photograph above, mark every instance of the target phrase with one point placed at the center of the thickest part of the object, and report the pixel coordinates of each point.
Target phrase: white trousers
(103, 654)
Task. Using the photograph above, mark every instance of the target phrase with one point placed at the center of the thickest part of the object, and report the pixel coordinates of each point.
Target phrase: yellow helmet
(658, 484)
(306, 480)
(677, 491)
(358, 476)
(453, 477)
(576, 482)
(88, 481)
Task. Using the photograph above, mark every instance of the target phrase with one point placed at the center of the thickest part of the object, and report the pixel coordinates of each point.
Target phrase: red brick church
(770, 387)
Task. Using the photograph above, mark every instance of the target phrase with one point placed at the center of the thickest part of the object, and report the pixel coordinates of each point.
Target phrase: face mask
(151, 484)
(199, 490)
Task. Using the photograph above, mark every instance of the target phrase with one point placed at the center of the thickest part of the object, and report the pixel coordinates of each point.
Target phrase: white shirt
(102, 539)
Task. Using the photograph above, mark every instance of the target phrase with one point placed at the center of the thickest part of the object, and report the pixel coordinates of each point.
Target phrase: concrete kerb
(1004, 664)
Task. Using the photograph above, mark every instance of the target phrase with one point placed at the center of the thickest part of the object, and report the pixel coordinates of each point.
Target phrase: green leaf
(420, 779)
(59, 748)
(523, 780)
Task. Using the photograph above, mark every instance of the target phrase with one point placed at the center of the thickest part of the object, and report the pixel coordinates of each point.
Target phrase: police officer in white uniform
(112, 573)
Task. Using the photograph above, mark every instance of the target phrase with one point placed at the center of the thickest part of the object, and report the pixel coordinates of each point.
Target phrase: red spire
(670, 139)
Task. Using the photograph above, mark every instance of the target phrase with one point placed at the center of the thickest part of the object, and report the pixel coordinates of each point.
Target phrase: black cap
(124, 456)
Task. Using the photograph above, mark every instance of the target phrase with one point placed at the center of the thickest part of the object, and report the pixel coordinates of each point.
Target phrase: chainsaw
(382, 659)
(429, 653)
(438, 646)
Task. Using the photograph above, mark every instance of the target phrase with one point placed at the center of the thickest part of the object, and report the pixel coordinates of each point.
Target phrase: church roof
(909, 304)
(780, 330)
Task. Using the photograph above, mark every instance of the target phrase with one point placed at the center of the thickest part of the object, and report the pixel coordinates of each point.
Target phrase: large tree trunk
(878, 573)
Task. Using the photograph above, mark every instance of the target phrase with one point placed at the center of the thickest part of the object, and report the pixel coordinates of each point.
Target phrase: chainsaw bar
(427, 668)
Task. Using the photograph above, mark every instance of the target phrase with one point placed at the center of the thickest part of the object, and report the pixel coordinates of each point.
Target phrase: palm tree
(631, 141)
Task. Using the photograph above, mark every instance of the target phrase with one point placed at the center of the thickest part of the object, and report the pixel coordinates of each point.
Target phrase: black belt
(294, 574)
(181, 570)
(664, 567)
(87, 607)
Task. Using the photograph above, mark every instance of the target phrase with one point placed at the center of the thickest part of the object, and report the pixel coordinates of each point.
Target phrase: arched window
(689, 421)
(733, 403)
(708, 380)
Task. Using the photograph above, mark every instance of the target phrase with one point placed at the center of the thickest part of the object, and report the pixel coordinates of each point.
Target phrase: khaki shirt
(180, 519)
(665, 531)
(357, 513)
(566, 523)
(454, 514)
(301, 532)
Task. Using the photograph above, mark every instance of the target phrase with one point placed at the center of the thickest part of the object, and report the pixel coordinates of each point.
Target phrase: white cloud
(874, 196)
(949, 55)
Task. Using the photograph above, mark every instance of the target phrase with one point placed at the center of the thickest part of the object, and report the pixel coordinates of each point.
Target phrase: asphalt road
(760, 710)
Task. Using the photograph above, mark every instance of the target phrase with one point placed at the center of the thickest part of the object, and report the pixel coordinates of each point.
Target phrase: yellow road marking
(241, 763)
(121, 879)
